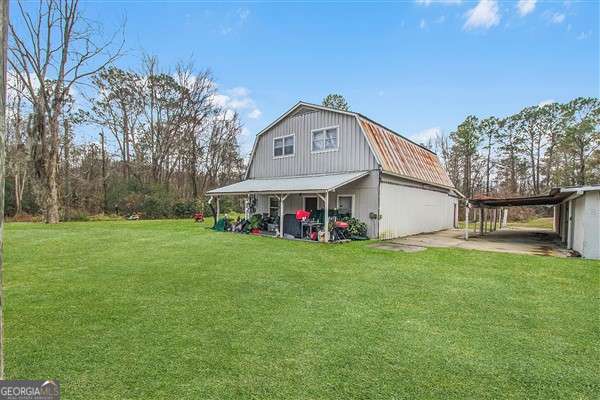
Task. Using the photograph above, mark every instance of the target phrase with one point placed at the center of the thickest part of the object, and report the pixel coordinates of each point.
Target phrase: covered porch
(278, 199)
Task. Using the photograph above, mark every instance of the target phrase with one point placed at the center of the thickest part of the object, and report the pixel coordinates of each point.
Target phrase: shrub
(156, 206)
(356, 227)
(184, 209)
(23, 218)
(131, 203)
(77, 215)
(105, 217)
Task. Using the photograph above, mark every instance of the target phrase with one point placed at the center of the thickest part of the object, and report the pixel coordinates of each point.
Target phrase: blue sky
(415, 66)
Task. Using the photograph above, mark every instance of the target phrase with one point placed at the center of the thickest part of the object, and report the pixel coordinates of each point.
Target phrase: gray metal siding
(353, 152)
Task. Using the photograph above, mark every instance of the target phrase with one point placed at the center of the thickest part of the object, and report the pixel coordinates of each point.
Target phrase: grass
(168, 309)
(545, 223)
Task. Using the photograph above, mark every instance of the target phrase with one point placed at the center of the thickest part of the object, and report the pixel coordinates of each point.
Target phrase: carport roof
(296, 184)
(556, 196)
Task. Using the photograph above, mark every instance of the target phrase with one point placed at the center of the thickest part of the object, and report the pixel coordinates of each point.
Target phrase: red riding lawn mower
(199, 217)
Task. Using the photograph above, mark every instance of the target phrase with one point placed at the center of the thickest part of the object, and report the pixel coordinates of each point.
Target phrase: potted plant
(255, 224)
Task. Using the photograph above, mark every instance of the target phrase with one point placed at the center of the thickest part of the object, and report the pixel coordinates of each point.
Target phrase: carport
(493, 211)
(576, 221)
(491, 233)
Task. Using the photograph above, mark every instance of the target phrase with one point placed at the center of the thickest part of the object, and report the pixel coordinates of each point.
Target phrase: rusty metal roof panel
(400, 156)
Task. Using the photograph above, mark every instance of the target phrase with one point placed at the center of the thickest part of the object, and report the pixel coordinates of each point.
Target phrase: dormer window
(324, 139)
(283, 146)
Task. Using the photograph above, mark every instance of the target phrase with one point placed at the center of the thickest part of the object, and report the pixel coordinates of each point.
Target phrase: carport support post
(481, 220)
(467, 221)
(570, 226)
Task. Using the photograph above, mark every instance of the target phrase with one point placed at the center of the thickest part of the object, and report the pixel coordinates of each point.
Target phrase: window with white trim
(273, 206)
(324, 139)
(346, 205)
(283, 146)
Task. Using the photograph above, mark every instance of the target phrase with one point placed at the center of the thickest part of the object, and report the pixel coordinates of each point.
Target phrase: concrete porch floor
(509, 240)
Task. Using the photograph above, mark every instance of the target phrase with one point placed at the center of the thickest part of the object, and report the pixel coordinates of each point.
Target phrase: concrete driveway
(509, 240)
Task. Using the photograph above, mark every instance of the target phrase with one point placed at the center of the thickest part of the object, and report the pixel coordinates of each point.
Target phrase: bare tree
(198, 91)
(3, 41)
(55, 51)
(16, 161)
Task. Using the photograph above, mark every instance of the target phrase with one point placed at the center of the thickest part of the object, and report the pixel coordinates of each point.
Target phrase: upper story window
(283, 146)
(325, 139)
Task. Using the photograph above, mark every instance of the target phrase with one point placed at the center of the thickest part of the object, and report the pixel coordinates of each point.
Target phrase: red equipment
(302, 215)
(199, 217)
(341, 224)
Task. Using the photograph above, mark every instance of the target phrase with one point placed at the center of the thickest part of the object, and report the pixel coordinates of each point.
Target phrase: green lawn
(169, 309)
(545, 223)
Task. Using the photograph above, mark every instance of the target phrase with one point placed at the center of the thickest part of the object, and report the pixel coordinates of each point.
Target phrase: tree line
(85, 136)
(539, 148)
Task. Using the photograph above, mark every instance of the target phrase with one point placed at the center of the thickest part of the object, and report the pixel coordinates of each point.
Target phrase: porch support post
(326, 217)
(467, 221)
(505, 218)
(218, 207)
(281, 210)
(495, 218)
(247, 208)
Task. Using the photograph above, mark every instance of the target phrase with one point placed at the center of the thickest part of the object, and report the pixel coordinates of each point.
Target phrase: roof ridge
(396, 133)
(370, 120)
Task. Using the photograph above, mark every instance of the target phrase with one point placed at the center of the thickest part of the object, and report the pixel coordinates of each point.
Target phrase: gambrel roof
(394, 153)
(402, 157)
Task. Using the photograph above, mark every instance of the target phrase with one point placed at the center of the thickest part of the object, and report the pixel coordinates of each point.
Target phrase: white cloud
(234, 21)
(225, 30)
(423, 24)
(555, 18)
(229, 113)
(255, 114)
(237, 99)
(423, 136)
(440, 19)
(239, 91)
(526, 6)
(243, 13)
(246, 132)
(444, 2)
(584, 35)
(484, 15)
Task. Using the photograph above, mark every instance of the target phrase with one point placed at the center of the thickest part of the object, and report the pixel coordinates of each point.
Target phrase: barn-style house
(328, 161)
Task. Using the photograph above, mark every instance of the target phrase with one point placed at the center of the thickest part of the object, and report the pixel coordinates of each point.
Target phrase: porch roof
(295, 184)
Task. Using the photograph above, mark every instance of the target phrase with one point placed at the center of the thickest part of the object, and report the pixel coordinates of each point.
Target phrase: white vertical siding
(353, 152)
(578, 223)
(591, 234)
(409, 210)
(366, 192)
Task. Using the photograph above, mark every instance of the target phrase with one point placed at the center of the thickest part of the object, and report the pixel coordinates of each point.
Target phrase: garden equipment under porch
(321, 198)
